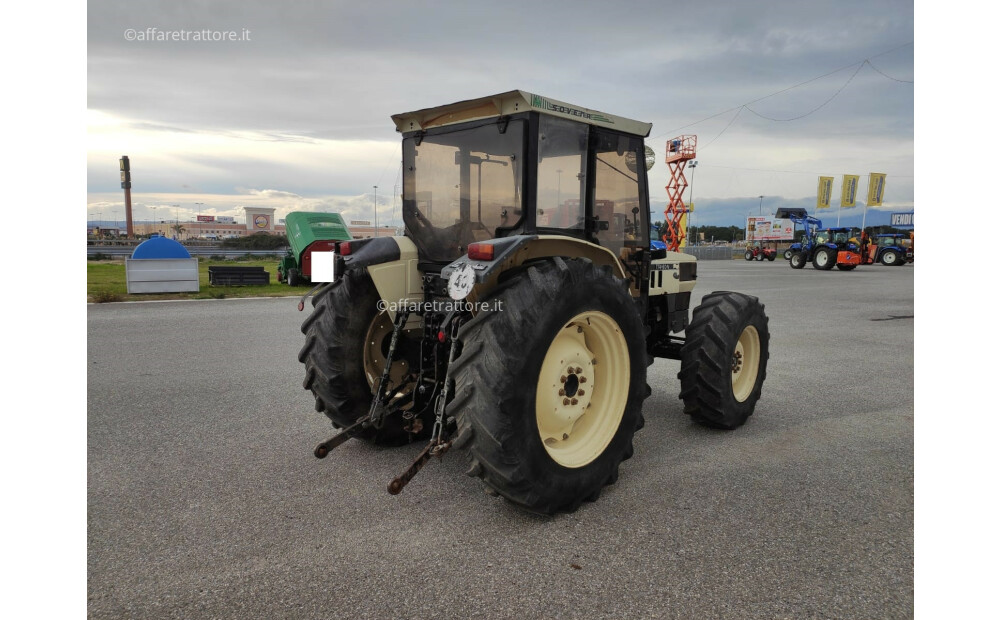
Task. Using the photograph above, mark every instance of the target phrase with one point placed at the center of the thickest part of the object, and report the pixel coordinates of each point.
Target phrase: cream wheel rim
(374, 357)
(582, 389)
(746, 360)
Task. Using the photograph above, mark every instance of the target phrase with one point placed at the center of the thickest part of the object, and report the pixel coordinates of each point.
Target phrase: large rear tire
(797, 261)
(549, 385)
(824, 259)
(346, 341)
(724, 359)
(890, 257)
(760, 256)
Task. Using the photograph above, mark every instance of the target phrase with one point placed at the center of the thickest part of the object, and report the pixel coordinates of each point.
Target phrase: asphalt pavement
(205, 501)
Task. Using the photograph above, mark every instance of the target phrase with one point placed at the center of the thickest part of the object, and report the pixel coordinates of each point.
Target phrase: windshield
(459, 187)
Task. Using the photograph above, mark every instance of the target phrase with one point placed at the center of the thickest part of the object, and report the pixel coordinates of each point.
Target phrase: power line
(886, 75)
(816, 109)
(861, 63)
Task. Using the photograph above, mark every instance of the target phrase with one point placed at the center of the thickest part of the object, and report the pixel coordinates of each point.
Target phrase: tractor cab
(520, 165)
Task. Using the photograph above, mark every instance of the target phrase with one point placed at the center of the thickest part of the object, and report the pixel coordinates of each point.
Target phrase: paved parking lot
(204, 499)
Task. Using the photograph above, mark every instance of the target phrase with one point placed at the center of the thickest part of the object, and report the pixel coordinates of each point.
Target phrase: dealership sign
(902, 219)
(206, 218)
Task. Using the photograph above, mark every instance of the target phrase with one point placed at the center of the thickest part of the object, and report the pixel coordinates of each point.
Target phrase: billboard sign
(225, 219)
(769, 229)
(902, 219)
(206, 218)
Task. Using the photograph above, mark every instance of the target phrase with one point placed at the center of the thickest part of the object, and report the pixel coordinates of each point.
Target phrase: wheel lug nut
(562, 392)
(583, 379)
(565, 401)
(578, 370)
(569, 370)
(573, 402)
(581, 392)
(562, 379)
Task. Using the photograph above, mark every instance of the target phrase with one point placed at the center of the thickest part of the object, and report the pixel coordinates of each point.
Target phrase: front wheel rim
(746, 361)
(582, 389)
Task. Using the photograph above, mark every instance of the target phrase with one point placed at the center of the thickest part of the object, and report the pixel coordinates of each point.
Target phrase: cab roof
(513, 102)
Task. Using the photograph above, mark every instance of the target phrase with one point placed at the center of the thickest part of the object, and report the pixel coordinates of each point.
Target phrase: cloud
(303, 106)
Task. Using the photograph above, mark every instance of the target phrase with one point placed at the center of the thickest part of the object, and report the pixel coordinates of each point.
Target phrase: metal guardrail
(126, 251)
(701, 252)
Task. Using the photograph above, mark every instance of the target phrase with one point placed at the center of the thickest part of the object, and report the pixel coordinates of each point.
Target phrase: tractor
(824, 247)
(517, 316)
(760, 252)
(888, 249)
(307, 233)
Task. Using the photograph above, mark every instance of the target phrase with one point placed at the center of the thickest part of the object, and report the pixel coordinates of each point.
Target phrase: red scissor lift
(679, 151)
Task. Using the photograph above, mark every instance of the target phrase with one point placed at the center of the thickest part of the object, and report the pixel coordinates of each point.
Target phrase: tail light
(345, 248)
(481, 251)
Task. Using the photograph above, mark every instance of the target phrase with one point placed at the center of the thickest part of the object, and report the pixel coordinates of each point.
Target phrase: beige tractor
(517, 316)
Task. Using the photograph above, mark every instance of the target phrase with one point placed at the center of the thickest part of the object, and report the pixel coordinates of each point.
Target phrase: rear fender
(512, 252)
(392, 264)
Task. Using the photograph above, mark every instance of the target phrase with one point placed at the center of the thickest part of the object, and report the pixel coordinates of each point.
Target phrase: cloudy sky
(295, 115)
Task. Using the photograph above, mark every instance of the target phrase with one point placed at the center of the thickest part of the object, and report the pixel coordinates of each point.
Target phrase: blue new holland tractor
(824, 247)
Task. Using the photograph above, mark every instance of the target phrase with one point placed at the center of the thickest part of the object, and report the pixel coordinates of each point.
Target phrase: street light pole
(375, 200)
(760, 207)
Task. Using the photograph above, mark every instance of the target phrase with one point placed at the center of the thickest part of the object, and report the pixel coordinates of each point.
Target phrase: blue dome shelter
(158, 246)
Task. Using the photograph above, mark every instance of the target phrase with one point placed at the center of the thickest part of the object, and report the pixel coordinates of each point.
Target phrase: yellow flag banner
(876, 189)
(848, 191)
(824, 192)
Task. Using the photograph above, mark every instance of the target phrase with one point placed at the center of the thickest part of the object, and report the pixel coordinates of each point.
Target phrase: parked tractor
(824, 247)
(517, 315)
(888, 249)
(307, 233)
(759, 252)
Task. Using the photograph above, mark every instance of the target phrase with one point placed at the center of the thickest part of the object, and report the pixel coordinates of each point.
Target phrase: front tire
(724, 359)
(549, 414)
(824, 259)
(748, 255)
(797, 261)
(294, 279)
(788, 254)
